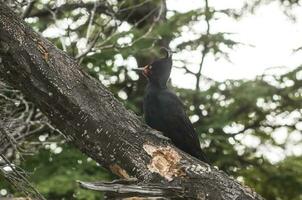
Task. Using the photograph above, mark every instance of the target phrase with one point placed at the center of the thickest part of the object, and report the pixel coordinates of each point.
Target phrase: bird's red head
(158, 72)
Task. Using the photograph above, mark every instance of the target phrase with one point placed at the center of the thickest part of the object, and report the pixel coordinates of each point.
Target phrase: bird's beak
(145, 70)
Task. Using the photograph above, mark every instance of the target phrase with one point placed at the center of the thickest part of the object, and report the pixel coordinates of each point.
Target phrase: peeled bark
(95, 122)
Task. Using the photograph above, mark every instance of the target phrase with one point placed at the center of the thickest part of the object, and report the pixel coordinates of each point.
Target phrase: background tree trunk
(93, 120)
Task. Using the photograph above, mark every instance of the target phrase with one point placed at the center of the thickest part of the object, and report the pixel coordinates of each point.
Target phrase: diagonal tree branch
(94, 121)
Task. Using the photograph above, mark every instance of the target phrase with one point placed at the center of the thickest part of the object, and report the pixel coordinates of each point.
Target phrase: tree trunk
(93, 120)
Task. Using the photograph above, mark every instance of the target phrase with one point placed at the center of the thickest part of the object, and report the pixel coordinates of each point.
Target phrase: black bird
(164, 111)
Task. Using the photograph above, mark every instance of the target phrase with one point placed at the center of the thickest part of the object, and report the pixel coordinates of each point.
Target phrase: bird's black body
(164, 111)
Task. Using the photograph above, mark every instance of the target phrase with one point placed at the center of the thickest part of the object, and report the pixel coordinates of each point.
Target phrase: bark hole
(164, 161)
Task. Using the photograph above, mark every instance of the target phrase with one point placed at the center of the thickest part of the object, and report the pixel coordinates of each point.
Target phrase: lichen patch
(164, 161)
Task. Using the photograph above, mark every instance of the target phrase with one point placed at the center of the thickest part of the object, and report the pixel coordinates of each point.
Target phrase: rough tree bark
(93, 120)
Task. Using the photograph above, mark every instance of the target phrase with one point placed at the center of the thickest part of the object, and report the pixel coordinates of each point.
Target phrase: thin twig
(206, 48)
(28, 9)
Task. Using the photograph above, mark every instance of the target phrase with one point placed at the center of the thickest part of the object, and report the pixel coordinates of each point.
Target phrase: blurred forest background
(238, 121)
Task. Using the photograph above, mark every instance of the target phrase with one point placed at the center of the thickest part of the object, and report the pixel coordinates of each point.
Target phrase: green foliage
(55, 175)
(283, 180)
(231, 111)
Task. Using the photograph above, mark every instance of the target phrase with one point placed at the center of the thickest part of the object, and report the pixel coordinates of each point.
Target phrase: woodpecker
(164, 111)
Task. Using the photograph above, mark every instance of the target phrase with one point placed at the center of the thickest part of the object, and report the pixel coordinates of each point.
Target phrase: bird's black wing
(178, 126)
